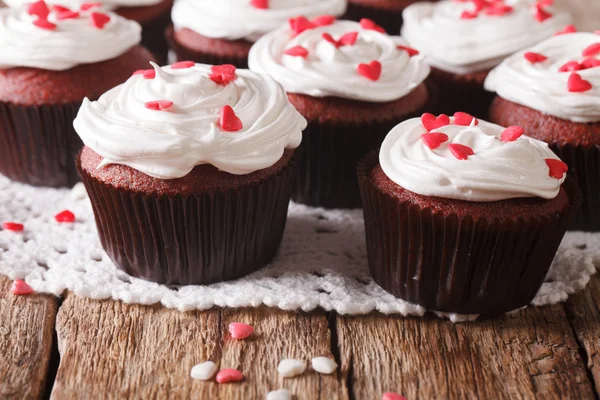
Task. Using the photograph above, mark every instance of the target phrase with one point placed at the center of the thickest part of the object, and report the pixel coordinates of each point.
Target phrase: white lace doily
(322, 261)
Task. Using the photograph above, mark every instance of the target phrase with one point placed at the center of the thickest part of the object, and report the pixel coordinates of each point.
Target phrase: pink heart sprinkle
(370, 71)
(431, 122)
(557, 168)
(323, 20)
(44, 24)
(534, 57)
(228, 375)
(159, 105)
(299, 25)
(460, 151)
(469, 14)
(567, 29)
(65, 216)
(577, 84)
(262, 4)
(228, 121)
(411, 52)
(392, 396)
(296, 51)
(368, 24)
(464, 119)
(146, 73)
(240, 330)
(13, 226)
(183, 65)
(511, 134)
(99, 20)
(570, 67)
(20, 287)
(222, 74)
(590, 62)
(39, 9)
(433, 140)
(591, 50)
(540, 14)
(89, 6)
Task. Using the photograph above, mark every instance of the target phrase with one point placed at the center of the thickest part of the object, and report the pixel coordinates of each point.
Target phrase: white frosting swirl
(74, 41)
(469, 45)
(168, 144)
(238, 19)
(75, 4)
(331, 71)
(497, 170)
(542, 87)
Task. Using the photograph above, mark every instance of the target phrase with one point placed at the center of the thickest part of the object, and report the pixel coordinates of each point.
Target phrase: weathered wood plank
(532, 354)
(26, 334)
(583, 310)
(111, 350)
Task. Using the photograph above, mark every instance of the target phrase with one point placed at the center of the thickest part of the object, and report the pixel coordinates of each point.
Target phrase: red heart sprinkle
(240, 331)
(39, 9)
(469, 14)
(44, 24)
(511, 134)
(431, 122)
(591, 50)
(328, 38)
(324, 20)
(229, 375)
(99, 19)
(65, 216)
(498, 10)
(89, 6)
(146, 73)
(59, 9)
(570, 67)
(348, 39)
(222, 74)
(534, 57)
(183, 65)
(13, 226)
(368, 24)
(20, 287)
(371, 70)
(540, 14)
(392, 396)
(545, 3)
(557, 168)
(433, 140)
(566, 29)
(480, 4)
(229, 122)
(464, 119)
(590, 62)
(296, 51)
(263, 4)
(299, 25)
(577, 84)
(67, 15)
(460, 151)
(411, 52)
(158, 105)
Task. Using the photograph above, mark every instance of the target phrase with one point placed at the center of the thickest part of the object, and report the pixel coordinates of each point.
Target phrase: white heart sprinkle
(289, 368)
(324, 365)
(204, 371)
(281, 394)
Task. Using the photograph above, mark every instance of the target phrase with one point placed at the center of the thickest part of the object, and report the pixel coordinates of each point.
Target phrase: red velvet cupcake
(552, 90)
(353, 83)
(464, 216)
(189, 169)
(153, 15)
(463, 41)
(50, 60)
(222, 32)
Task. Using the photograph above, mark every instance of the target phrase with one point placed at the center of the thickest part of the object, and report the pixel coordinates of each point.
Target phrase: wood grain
(583, 310)
(26, 334)
(532, 354)
(111, 350)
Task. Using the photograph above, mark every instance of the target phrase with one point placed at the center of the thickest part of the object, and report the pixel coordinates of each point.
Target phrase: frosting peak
(462, 37)
(480, 162)
(240, 19)
(167, 122)
(342, 59)
(539, 77)
(63, 39)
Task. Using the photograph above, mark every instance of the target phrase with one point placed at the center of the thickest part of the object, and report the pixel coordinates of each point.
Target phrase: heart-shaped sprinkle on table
(392, 396)
(20, 287)
(557, 168)
(464, 119)
(13, 226)
(228, 375)
(591, 50)
(534, 57)
(577, 84)
(65, 216)
(299, 25)
(99, 20)
(262, 4)
(368, 24)
(324, 20)
(411, 52)
(433, 140)
(240, 331)
(567, 29)
(371, 70)
(39, 9)
(296, 51)
(228, 121)
(431, 122)
(511, 134)
(222, 74)
(44, 24)
(570, 67)
(460, 151)
(158, 105)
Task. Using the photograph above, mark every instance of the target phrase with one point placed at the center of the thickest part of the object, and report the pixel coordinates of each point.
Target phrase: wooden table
(78, 348)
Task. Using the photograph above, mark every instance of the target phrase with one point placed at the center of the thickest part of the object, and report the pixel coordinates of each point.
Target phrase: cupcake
(152, 15)
(463, 41)
(50, 60)
(353, 84)
(552, 90)
(222, 32)
(190, 171)
(464, 218)
(386, 13)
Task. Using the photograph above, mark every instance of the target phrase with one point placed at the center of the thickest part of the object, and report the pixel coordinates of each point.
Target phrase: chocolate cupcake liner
(153, 37)
(389, 20)
(584, 167)
(463, 94)
(458, 264)
(184, 54)
(39, 144)
(197, 239)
